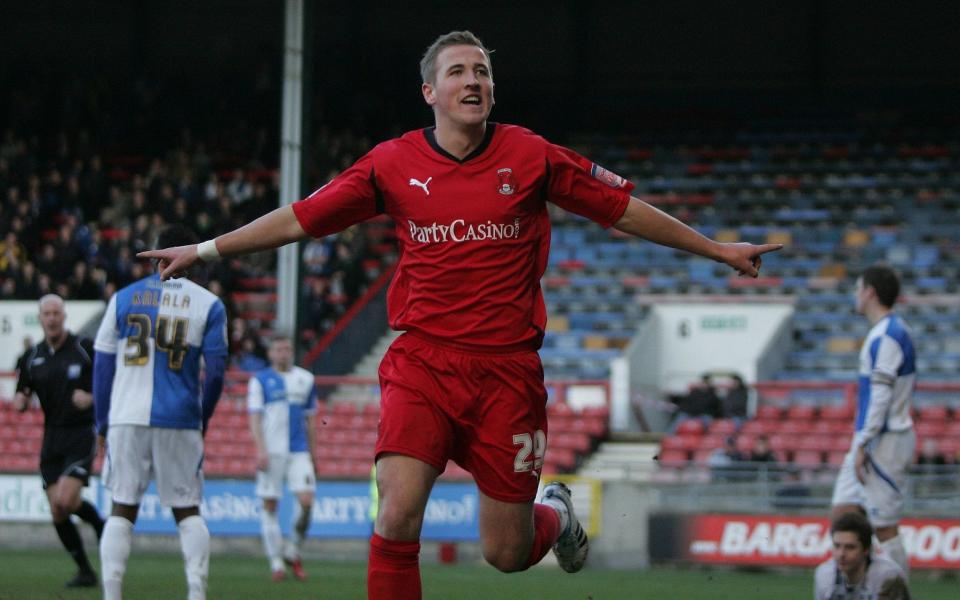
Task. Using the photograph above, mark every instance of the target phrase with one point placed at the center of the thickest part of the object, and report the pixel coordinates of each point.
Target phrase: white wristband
(207, 251)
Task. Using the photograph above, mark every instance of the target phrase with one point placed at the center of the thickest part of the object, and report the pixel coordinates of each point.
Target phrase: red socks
(546, 530)
(393, 570)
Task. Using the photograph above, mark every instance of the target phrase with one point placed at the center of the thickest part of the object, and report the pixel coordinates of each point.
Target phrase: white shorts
(296, 468)
(889, 455)
(137, 453)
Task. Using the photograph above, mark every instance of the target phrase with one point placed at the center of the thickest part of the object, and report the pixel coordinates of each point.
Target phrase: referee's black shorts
(67, 451)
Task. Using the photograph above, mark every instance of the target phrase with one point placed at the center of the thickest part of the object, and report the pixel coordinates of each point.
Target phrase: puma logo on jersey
(422, 184)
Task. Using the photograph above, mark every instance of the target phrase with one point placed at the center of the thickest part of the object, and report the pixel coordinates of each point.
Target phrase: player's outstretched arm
(650, 223)
(274, 229)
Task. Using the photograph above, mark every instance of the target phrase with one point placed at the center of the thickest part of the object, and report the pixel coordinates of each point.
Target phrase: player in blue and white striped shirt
(282, 403)
(874, 472)
(149, 405)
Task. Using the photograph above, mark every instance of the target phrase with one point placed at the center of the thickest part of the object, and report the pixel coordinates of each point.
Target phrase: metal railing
(767, 488)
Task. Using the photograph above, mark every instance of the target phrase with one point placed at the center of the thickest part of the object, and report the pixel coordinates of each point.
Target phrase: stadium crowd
(76, 207)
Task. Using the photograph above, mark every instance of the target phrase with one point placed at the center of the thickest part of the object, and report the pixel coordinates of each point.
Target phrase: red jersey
(474, 234)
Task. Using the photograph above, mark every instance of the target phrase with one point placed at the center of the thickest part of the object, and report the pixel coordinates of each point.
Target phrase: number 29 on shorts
(535, 444)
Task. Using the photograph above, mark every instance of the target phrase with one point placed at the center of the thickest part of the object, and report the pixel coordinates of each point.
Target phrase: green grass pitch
(40, 575)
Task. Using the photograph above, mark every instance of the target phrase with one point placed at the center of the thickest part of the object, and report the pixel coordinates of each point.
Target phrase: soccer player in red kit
(469, 198)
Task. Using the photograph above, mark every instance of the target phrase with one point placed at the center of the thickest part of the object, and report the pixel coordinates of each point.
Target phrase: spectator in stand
(725, 461)
(251, 356)
(81, 283)
(734, 404)
(762, 459)
(67, 253)
(346, 262)
(8, 288)
(239, 189)
(47, 260)
(12, 254)
(317, 256)
(28, 282)
(761, 452)
(318, 312)
(700, 403)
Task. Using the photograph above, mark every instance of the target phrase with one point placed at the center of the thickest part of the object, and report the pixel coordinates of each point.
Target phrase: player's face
(52, 317)
(463, 91)
(281, 355)
(848, 552)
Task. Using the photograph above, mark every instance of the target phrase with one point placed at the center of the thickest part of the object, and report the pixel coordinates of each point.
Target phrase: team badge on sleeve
(608, 177)
(507, 184)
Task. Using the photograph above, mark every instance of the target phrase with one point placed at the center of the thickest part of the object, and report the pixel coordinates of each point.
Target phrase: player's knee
(398, 522)
(59, 511)
(507, 559)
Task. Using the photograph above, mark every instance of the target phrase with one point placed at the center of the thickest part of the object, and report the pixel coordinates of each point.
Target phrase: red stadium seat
(841, 443)
(723, 426)
(344, 408)
(930, 428)
(780, 442)
(797, 427)
(801, 412)
(673, 458)
(816, 443)
(602, 412)
(953, 429)
(711, 441)
(938, 413)
(769, 412)
(702, 457)
(808, 458)
(746, 443)
(678, 442)
(562, 458)
(760, 427)
(690, 427)
(836, 412)
(835, 459)
(579, 442)
(559, 409)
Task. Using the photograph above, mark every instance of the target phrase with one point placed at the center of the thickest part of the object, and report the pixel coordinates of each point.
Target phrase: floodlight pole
(290, 163)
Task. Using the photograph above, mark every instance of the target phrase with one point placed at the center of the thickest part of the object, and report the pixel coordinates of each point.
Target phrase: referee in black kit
(59, 370)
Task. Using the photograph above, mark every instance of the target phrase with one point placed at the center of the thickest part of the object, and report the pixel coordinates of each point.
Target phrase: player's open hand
(745, 258)
(173, 262)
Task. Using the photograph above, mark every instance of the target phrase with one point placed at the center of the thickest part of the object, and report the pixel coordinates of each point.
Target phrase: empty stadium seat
(769, 412)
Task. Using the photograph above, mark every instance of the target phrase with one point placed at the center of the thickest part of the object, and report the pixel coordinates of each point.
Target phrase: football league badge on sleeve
(608, 177)
(507, 184)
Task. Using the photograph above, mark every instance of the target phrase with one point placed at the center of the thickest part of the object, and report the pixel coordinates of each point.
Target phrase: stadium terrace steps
(622, 461)
(367, 367)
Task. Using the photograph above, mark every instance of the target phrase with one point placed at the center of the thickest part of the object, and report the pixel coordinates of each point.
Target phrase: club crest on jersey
(507, 185)
(608, 177)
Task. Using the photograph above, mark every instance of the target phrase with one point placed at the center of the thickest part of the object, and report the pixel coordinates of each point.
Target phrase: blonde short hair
(428, 64)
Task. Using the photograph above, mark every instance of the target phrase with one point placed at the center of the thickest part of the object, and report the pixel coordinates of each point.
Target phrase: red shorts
(486, 412)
